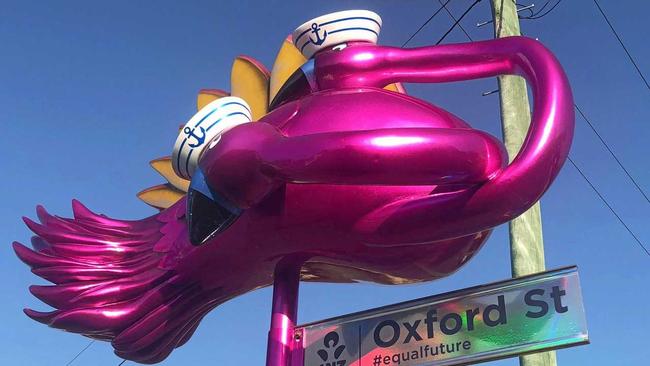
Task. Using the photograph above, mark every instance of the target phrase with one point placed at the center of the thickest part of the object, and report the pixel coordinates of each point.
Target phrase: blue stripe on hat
(335, 21)
(189, 155)
(187, 162)
(340, 30)
(221, 106)
(226, 116)
(178, 159)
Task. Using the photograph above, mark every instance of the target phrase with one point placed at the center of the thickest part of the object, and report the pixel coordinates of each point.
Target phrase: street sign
(528, 314)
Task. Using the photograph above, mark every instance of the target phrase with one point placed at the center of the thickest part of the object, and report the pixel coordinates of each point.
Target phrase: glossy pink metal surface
(359, 183)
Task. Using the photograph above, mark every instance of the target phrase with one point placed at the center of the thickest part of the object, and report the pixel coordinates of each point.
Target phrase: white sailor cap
(204, 130)
(336, 28)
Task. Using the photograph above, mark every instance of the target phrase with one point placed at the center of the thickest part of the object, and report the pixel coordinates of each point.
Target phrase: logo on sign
(332, 350)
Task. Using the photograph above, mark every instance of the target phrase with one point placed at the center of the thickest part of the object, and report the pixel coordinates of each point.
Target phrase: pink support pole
(284, 312)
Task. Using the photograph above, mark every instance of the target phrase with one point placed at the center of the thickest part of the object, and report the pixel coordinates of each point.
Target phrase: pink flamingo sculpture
(342, 181)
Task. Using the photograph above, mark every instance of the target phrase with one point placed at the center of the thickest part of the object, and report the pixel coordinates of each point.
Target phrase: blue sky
(90, 92)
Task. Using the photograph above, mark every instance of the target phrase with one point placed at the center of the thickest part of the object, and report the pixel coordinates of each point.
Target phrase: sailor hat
(204, 130)
(336, 28)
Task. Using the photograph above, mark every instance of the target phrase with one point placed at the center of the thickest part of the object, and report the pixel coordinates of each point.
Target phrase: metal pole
(526, 242)
(284, 312)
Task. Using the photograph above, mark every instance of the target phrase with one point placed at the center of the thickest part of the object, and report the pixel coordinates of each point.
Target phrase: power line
(80, 352)
(444, 6)
(584, 117)
(536, 15)
(610, 207)
(457, 21)
(593, 128)
(622, 44)
(611, 152)
(602, 198)
(425, 23)
(122, 363)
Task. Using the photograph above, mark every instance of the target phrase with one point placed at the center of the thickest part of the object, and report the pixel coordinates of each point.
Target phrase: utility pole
(526, 242)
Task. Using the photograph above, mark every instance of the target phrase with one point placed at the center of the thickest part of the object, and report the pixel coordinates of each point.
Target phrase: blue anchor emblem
(315, 29)
(199, 139)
